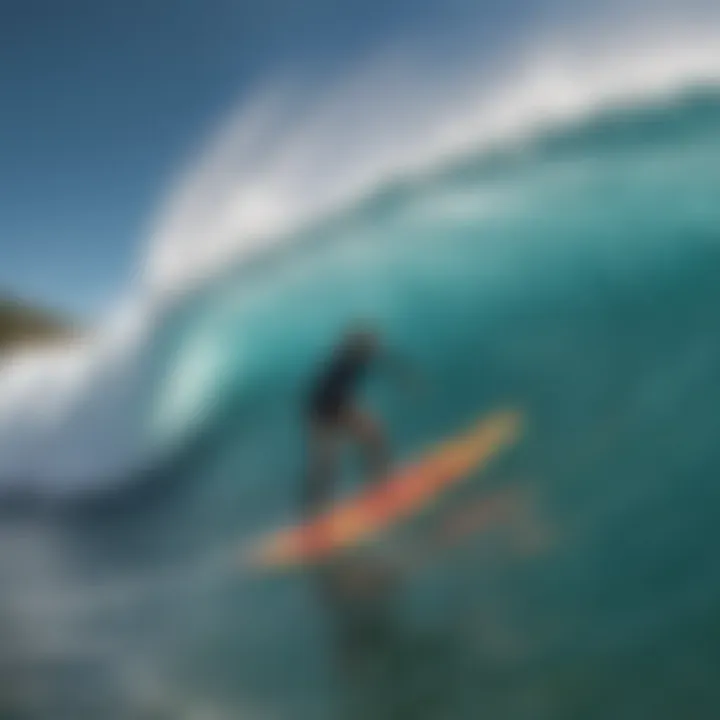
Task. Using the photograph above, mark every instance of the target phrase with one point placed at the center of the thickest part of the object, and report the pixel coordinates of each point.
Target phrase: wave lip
(265, 176)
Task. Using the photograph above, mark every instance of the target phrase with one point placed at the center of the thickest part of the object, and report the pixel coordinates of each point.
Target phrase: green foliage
(20, 324)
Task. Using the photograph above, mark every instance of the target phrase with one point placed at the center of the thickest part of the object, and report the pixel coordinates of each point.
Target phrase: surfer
(336, 416)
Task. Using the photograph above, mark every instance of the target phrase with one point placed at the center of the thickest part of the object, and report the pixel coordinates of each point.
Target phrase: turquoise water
(574, 276)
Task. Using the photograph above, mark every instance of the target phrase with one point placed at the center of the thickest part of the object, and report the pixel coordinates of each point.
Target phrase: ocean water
(572, 275)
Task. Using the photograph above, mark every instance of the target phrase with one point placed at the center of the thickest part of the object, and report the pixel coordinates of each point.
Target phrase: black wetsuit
(334, 390)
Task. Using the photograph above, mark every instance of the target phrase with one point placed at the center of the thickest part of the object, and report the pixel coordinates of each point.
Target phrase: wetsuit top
(334, 389)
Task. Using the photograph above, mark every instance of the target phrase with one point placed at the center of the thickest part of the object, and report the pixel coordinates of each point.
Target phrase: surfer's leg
(368, 432)
(322, 467)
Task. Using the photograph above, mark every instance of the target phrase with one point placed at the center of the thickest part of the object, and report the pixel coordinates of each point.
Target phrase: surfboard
(388, 501)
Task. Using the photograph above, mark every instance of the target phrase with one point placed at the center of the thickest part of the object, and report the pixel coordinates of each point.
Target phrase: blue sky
(102, 102)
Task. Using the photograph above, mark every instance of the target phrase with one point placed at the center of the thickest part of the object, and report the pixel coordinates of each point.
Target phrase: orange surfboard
(388, 501)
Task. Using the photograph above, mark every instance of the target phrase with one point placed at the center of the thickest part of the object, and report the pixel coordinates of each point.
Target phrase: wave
(290, 168)
(278, 165)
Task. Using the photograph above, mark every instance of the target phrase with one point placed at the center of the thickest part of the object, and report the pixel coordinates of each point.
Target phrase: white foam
(256, 185)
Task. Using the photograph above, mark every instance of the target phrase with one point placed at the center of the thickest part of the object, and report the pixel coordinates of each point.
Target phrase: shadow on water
(390, 670)
(384, 669)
